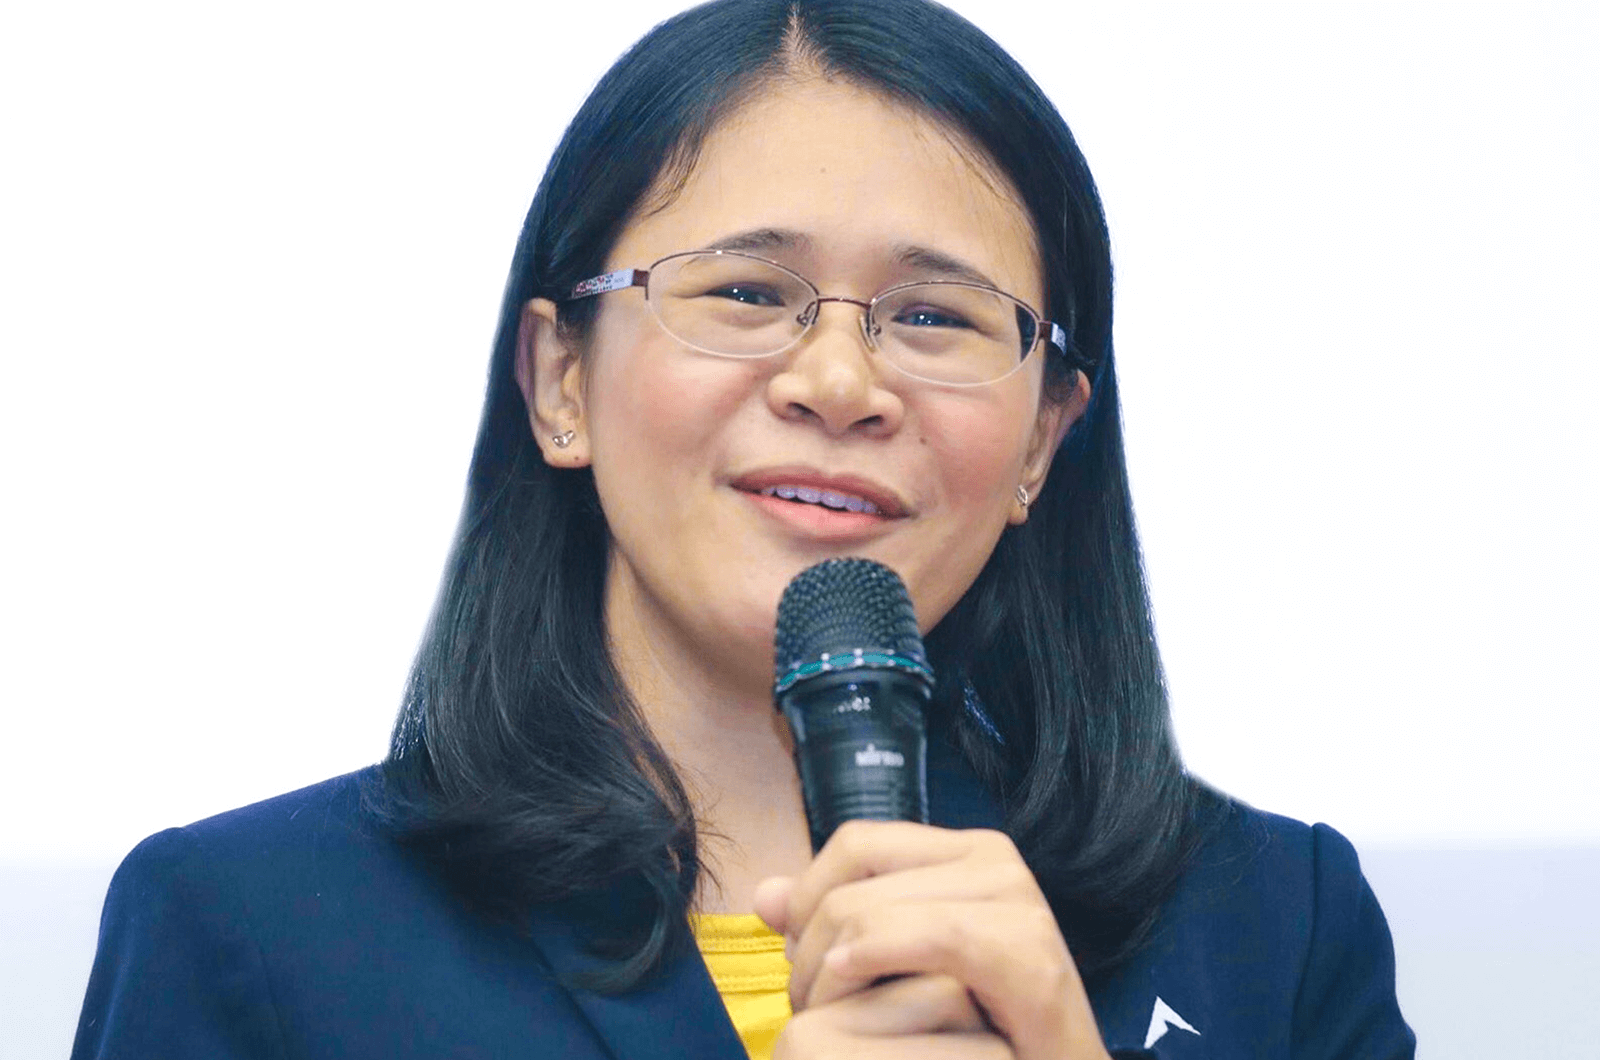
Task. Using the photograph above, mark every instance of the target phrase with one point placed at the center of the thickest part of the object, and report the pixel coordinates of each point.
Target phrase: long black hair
(521, 769)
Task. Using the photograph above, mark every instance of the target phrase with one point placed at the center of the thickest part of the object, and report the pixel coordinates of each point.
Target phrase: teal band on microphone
(860, 658)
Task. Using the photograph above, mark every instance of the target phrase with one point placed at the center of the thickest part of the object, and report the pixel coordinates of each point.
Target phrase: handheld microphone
(854, 683)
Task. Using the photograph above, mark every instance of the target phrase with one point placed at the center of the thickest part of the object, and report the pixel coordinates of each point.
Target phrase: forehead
(868, 183)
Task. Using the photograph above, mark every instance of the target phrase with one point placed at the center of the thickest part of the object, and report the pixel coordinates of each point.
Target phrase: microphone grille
(841, 606)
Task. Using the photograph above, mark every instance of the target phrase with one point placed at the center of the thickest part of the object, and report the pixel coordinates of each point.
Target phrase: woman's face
(856, 195)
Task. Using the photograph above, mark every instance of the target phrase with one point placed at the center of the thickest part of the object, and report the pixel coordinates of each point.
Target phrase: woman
(874, 319)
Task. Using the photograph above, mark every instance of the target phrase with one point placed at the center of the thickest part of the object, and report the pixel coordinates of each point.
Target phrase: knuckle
(811, 1035)
(853, 842)
(949, 936)
(1014, 877)
(851, 836)
(1043, 924)
(952, 1001)
(1058, 977)
(796, 1040)
(1052, 981)
(832, 912)
(1038, 924)
(994, 841)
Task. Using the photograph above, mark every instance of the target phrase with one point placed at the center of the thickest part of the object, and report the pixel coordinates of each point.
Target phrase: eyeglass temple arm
(1058, 339)
(620, 280)
(1075, 358)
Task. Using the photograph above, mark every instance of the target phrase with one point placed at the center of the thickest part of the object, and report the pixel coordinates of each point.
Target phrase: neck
(731, 749)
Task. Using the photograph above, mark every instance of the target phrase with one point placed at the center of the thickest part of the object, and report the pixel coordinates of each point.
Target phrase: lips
(839, 493)
(843, 502)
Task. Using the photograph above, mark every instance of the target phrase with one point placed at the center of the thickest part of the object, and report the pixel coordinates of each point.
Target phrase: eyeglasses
(732, 304)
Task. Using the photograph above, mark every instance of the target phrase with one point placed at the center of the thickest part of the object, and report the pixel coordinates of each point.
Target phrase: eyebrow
(762, 239)
(908, 255)
(926, 259)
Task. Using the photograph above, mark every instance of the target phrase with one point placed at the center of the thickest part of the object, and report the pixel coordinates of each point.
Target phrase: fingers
(797, 1043)
(842, 890)
(772, 902)
(922, 1017)
(1009, 957)
(892, 902)
(846, 911)
(915, 1004)
(860, 849)
(904, 940)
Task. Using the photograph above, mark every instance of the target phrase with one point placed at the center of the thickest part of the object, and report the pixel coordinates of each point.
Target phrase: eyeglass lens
(737, 306)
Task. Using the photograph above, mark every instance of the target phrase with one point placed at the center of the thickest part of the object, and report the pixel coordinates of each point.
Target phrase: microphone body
(854, 683)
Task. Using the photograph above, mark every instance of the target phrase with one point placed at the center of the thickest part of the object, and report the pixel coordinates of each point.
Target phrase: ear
(550, 376)
(1055, 420)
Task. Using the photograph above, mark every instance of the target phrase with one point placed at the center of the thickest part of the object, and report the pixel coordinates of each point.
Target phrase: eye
(928, 316)
(747, 293)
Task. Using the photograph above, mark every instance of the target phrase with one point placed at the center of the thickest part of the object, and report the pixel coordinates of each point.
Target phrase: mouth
(839, 502)
(802, 486)
(838, 509)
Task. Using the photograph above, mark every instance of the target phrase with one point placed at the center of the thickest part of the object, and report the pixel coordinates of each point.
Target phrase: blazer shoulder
(194, 865)
(177, 972)
(296, 927)
(1300, 884)
(1272, 945)
(1250, 853)
(335, 803)
(1316, 925)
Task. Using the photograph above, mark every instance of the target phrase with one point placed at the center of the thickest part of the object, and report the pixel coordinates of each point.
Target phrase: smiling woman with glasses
(875, 322)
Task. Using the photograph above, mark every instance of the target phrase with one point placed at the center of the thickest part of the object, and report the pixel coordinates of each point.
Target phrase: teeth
(826, 498)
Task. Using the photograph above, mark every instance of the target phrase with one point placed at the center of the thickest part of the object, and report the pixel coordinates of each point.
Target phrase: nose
(832, 377)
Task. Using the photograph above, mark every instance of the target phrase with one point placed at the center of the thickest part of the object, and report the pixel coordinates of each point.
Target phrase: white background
(251, 254)
(252, 258)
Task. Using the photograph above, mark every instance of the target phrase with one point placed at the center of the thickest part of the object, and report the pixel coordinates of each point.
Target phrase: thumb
(772, 901)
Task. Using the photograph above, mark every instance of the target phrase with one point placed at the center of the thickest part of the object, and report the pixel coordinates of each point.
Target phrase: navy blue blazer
(294, 929)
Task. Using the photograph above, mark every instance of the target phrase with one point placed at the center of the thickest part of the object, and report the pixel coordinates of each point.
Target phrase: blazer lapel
(677, 1014)
(956, 797)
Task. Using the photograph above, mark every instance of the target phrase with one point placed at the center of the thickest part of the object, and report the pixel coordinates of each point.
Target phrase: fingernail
(837, 957)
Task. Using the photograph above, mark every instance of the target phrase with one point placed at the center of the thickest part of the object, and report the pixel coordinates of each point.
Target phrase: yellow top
(751, 973)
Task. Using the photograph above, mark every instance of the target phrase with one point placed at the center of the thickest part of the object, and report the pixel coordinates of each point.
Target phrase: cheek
(648, 400)
(979, 452)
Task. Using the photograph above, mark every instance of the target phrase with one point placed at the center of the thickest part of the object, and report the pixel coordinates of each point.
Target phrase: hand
(951, 909)
(929, 1017)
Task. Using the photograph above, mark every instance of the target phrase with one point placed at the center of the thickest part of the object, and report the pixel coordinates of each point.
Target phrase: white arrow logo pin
(1164, 1019)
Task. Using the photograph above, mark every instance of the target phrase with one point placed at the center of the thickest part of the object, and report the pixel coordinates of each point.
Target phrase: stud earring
(1023, 498)
(563, 439)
